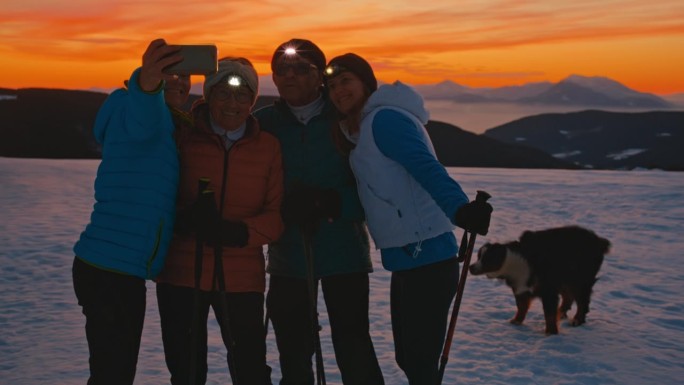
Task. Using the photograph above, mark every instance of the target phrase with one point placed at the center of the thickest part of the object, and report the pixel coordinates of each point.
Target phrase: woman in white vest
(410, 203)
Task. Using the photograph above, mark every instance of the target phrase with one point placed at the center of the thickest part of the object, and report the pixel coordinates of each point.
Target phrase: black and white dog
(560, 261)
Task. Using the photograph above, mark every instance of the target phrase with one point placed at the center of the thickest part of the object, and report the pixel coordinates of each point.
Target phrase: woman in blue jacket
(410, 203)
(131, 225)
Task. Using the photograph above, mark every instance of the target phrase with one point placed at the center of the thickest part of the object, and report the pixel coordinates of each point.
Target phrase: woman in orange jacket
(217, 260)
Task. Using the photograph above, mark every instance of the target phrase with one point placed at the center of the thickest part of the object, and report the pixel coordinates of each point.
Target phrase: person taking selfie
(131, 225)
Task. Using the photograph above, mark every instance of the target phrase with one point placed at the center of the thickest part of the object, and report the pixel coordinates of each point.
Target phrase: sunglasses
(298, 68)
(240, 94)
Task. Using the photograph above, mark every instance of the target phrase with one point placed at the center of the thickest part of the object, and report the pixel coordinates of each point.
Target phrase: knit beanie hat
(303, 48)
(355, 64)
(233, 66)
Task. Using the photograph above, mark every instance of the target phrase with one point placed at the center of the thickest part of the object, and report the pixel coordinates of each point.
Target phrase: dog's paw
(576, 322)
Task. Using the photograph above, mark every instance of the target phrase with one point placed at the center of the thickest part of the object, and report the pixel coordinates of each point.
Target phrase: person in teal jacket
(321, 204)
(132, 221)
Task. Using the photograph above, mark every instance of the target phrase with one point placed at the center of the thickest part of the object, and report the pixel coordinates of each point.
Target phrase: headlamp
(232, 86)
(333, 70)
(235, 80)
(290, 51)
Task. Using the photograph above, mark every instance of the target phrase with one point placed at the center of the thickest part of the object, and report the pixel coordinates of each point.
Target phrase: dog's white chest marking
(516, 271)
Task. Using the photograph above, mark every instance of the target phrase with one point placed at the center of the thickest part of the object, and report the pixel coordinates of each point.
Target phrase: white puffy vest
(399, 211)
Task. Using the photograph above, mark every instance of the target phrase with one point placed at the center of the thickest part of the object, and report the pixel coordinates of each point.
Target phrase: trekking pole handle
(482, 196)
(202, 184)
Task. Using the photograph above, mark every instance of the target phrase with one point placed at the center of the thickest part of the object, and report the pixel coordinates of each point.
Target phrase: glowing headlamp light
(232, 86)
(334, 70)
(235, 81)
(289, 51)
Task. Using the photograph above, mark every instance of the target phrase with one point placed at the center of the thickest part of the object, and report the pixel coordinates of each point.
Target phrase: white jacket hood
(398, 95)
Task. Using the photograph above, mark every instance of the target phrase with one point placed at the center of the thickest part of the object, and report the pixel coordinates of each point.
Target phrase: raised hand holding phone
(157, 56)
(162, 60)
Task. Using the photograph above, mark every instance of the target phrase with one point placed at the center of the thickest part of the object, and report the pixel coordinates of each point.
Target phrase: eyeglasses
(240, 94)
(300, 68)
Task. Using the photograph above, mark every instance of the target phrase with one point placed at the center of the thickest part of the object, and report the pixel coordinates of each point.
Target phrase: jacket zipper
(155, 250)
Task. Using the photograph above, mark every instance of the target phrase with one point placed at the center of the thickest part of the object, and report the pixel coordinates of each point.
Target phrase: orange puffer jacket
(252, 170)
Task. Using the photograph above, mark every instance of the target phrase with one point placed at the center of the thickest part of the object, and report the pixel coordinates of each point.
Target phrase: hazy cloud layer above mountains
(89, 43)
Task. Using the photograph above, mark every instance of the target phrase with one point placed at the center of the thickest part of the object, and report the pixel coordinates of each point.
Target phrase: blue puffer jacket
(135, 188)
(310, 158)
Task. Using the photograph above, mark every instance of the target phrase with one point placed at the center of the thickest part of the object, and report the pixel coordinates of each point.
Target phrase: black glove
(198, 218)
(229, 233)
(306, 206)
(474, 216)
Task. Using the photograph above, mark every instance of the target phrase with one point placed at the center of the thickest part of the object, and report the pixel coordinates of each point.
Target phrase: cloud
(425, 37)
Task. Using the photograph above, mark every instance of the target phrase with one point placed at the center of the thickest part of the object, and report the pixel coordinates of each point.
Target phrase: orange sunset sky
(83, 44)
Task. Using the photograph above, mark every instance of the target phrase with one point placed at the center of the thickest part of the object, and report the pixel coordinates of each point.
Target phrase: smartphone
(198, 59)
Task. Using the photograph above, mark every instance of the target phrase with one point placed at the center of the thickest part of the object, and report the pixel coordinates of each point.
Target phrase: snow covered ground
(634, 334)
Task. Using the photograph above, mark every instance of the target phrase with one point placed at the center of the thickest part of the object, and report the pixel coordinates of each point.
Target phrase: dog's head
(490, 259)
(505, 262)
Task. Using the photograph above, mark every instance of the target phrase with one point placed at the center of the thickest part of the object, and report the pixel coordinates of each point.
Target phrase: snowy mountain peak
(580, 90)
(601, 84)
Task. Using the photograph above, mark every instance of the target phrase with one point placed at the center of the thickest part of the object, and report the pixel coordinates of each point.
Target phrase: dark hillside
(54, 123)
(49, 123)
(603, 139)
(459, 148)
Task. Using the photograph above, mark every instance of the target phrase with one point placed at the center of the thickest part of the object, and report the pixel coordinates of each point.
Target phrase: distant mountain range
(575, 90)
(53, 123)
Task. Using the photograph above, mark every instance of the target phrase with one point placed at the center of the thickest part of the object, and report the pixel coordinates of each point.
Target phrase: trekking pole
(307, 240)
(202, 185)
(267, 318)
(218, 259)
(464, 255)
(220, 278)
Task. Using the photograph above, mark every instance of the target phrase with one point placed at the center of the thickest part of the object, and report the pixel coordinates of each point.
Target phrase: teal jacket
(310, 158)
(135, 187)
